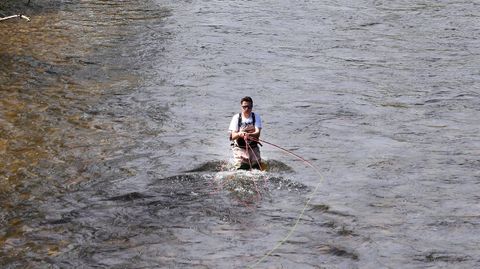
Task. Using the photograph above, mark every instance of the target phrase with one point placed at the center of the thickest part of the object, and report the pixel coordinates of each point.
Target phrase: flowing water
(113, 142)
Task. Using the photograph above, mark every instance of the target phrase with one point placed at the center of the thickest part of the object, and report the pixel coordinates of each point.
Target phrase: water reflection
(59, 127)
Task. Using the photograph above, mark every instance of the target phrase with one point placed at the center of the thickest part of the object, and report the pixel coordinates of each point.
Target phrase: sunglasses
(246, 106)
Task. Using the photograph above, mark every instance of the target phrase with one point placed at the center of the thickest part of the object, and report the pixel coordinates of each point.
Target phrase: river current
(114, 147)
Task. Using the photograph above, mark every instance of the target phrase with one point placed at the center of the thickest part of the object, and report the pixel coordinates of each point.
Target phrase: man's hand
(249, 129)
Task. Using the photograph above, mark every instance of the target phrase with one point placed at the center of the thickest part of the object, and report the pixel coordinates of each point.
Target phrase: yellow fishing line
(292, 230)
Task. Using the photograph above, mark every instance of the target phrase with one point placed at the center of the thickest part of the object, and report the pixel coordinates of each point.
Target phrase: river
(113, 134)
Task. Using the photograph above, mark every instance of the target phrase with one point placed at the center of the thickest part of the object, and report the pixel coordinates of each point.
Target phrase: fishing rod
(287, 151)
(302, 213)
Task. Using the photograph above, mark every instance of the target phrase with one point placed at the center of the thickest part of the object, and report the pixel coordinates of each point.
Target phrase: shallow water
(113, 134)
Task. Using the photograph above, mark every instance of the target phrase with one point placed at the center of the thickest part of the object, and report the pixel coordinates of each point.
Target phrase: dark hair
(247, 99)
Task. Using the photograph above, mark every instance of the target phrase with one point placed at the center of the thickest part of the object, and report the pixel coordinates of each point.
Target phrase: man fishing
(245, 129)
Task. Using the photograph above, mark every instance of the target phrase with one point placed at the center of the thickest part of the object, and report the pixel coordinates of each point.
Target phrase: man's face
(246, 106)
